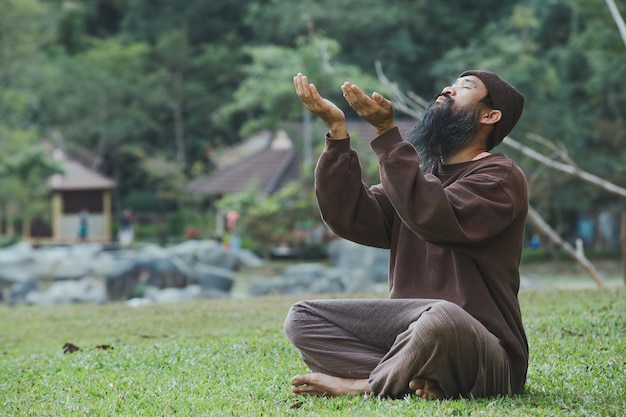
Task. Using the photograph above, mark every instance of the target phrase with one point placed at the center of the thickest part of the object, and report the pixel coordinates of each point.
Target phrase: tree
(407, 35)
(202, 21)
(99, 100)
(27, 26)
(266, 94)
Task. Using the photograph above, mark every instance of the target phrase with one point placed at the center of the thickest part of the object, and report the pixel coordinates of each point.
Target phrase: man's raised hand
(377, 110)
(332, 115)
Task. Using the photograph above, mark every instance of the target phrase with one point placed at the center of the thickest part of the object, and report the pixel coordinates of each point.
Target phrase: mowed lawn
(229, 358)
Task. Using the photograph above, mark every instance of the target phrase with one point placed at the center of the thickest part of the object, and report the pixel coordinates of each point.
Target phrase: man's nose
(448, 91)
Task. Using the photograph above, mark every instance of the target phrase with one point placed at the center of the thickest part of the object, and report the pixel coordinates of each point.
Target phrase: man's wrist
(384, 129)
(338, 130)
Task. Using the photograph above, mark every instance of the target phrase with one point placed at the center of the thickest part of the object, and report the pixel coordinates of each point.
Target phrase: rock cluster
(190, 270)
(92, 273)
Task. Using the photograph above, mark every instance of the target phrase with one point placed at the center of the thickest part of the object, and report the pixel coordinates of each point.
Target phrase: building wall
(96, 230)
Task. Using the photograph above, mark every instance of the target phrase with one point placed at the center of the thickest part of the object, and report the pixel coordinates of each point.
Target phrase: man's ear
(491, 117)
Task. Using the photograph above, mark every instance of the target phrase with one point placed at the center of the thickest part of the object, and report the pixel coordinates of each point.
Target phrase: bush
(282, 219)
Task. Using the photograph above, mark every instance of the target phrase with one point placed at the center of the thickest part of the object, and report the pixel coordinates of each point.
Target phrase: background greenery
(151, 90)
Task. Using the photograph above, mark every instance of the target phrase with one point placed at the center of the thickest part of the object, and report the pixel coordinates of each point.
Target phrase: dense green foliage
(142, 85)
(229, 357)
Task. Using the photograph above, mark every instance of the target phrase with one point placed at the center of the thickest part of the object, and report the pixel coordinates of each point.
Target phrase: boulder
(354, 268)
(87, 290)
(18, 253)
(204, 251)
(212, 278)
(17, 293)
(350, 256)
(130, 278)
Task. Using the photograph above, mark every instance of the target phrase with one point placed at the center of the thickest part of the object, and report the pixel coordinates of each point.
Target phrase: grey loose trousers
(391, 341)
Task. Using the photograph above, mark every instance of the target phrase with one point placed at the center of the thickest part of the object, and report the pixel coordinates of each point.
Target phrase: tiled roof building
(266, 162)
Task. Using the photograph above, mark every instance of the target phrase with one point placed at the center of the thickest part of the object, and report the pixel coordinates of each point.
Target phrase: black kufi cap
(505, 98)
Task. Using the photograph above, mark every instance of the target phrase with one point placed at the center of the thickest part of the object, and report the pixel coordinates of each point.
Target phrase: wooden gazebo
(80, 193)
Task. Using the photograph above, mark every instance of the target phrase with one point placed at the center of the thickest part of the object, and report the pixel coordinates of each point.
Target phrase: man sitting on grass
(453, 217)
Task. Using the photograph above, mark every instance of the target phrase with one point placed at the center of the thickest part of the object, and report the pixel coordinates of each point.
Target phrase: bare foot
(426, 388)
(328, 386)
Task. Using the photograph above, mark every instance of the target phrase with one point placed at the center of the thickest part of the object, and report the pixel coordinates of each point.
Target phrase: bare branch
(325, 55)
(561, 153)
(566, 168)
(409, 105)
(617, 17)
(537, 221)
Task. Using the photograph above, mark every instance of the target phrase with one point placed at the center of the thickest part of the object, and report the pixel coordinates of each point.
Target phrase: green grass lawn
(229, 358)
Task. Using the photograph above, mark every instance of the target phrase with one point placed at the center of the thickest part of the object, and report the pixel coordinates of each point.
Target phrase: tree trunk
(307, 138)
(623, 241)
(179, 129)
(10, 213)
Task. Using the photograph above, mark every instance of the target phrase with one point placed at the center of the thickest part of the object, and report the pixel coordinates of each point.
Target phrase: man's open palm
(316, 104)
(377, 110)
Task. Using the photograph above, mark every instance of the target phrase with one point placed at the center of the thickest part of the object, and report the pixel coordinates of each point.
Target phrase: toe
(416, 383)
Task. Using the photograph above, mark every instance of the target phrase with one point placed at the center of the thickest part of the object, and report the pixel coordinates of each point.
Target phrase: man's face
(450, 123)
(466, 91)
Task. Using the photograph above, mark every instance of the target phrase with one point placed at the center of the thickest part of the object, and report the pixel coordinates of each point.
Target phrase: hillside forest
(149, 91)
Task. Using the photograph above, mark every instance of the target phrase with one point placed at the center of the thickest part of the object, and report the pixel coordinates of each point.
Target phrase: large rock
(206, 252)
(297, 279)
(17, 293)
(87, 290)
(130, 278)
(212, 278)
(17, 280)
(17, 253)
(203, 263)
(355, 268)
(350, 256)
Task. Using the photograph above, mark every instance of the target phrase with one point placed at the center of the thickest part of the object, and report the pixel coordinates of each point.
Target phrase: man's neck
(465, 155)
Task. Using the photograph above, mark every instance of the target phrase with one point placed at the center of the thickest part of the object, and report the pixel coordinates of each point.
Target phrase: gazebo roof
(78, 177)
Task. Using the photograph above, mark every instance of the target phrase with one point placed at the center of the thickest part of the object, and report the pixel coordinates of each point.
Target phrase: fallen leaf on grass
(104, 347)
(293, 406)
(297, 405)
(70, 348)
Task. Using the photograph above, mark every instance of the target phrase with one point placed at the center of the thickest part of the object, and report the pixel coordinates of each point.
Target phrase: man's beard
(442, 131)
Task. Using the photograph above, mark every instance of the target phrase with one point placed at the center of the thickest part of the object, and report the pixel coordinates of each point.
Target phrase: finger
(352, 92)
(381, 101)
(302, 85)
(297, 82)
(348, 92)
(378, 98)
(309, 95)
